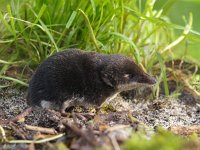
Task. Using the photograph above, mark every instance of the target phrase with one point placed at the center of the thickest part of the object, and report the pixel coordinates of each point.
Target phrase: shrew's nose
(152, 80)
(147, 79)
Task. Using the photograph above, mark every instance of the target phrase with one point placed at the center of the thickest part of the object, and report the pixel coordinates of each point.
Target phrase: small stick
(81, 117)
(185, 130)
(3, 133)
(41, 129)
(22, 115)
(117, 127)
(87, 115)
(38, 141)
(184, 79)
(31, 146)
(18, 131)
(79, 132)
(18, 117)
(114, 142)
(74, 119)
(4, 121)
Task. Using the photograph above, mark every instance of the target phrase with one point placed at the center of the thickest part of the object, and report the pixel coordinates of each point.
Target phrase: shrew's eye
(127, 76)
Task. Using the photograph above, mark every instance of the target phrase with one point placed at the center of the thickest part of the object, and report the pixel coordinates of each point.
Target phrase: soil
(184, 110)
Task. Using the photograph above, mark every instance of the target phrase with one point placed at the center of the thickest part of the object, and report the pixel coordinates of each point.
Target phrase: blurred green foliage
(177, 14)
(162, 140)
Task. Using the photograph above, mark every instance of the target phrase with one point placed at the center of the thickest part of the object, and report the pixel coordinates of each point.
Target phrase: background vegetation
(152, 32)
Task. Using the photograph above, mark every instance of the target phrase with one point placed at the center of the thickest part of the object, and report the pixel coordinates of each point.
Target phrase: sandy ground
(161, 112)
(164, 112)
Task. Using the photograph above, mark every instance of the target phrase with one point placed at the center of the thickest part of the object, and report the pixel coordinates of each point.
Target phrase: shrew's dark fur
(93, 76)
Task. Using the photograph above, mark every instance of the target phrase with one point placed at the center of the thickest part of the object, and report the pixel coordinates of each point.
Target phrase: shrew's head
(121, 73)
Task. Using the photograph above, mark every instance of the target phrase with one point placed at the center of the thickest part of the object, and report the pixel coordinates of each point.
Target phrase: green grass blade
(41, 12)
(7, 62)
(14, 80)
(46, 30)
(163, 74)
(93, 8)
(12, 21)
(2, 18)
(90, 30)
(179, 39)
(71, 19)
(69, 23)
(126, 39)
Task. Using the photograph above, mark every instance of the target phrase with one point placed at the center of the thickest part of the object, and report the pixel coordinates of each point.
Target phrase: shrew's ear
(105, 78)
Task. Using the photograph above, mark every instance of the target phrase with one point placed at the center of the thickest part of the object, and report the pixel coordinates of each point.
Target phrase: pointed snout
(147, 79)
(152, 80)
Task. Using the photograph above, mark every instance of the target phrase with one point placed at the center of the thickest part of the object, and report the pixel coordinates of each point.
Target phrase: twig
(183, 78)
(38, 141)
(3, 133)
(85, 116)
(74, 119)
(117, 127)
(41, 129)
(31, 146)
(90, 139)
(5, 121)
(19, 132)
(185, 130)
(17, 118)
(114, 142)
(22, 115)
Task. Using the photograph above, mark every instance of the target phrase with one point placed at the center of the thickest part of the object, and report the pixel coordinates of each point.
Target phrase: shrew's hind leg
(72, 102)
(67, 104)
(75, 102)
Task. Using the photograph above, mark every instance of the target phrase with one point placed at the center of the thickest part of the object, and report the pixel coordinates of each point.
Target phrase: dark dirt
(108, 122)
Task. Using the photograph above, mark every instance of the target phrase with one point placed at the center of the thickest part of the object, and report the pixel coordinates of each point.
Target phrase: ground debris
(103, 129)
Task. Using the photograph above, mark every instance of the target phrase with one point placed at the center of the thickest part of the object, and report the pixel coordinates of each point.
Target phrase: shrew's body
(88, 76)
